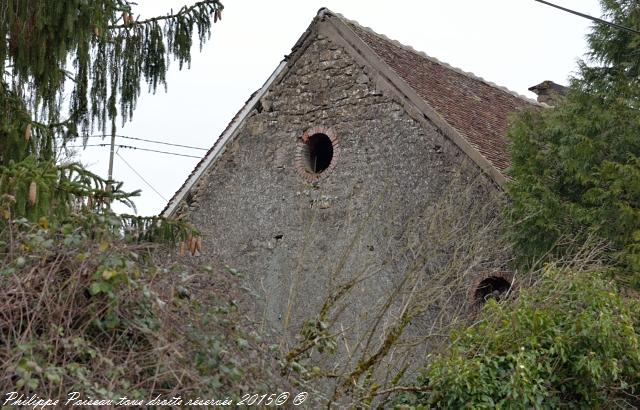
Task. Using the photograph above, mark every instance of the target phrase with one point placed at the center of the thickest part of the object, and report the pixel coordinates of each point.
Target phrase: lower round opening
(493, 287)
(318, 153)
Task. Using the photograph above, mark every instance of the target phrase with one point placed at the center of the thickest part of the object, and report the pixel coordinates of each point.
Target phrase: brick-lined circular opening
(492, 287)
(317, 153)
(496, 285)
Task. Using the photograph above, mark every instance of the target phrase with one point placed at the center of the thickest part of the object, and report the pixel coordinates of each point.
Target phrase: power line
(136, 148)
(141, 177)
(597, 20)
(151, 141)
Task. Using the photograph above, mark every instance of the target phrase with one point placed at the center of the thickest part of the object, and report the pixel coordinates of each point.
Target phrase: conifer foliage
(100, 46)
(576, 167)
(90, 305)
(571, 337)
(71, 66)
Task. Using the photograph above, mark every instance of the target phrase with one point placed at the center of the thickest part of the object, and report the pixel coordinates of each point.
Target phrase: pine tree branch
(183, 11)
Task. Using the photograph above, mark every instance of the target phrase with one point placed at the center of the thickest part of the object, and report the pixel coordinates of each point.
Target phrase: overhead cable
(151, 141)
(141, 177)
(132, 147)
(596, 19)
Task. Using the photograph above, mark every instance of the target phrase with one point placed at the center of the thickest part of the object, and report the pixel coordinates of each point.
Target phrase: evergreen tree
(68, 67)
(576, 167)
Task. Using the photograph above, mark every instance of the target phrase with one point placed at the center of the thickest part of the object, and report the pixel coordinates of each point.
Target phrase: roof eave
(405, 92)
(230, 132)
(218, 148)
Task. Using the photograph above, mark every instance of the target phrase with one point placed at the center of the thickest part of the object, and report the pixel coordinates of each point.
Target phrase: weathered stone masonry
(288, 233)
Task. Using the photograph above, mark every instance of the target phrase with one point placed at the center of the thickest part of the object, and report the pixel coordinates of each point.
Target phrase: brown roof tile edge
(207, 160)
(433, 59)
(211, 155)
(402, 87)
(203, 159)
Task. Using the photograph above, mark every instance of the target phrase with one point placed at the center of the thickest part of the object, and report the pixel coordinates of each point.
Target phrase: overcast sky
(513, 43)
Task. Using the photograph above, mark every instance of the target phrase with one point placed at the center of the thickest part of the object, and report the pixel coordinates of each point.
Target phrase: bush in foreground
(570, 341)
(84, 311)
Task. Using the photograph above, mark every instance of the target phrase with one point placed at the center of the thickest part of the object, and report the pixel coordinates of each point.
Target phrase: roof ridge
(324, 11)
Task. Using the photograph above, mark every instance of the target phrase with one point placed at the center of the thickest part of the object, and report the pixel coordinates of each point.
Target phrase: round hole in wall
(492, 287)
(318, 153)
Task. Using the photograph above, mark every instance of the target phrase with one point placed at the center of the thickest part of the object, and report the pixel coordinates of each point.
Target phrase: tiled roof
(477, 109)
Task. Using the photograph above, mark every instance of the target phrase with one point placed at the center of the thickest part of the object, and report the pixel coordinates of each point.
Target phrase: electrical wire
(132, 147)
(597, 20)
(141, 177)
(151, 141)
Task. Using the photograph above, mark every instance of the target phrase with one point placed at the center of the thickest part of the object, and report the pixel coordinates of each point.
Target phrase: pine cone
(27, 132)
(33, 193)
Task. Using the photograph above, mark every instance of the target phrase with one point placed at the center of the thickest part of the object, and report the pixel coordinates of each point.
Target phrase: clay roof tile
(477, 109)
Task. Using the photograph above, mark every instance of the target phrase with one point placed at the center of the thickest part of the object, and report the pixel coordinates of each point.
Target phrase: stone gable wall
(290, 236)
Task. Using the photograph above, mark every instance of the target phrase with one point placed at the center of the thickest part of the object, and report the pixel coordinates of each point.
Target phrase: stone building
(326, 172)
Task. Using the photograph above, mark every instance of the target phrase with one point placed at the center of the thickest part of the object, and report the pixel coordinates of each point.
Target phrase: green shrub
(570, 341)
(576, 166)
(84, 310)
(576, 172)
